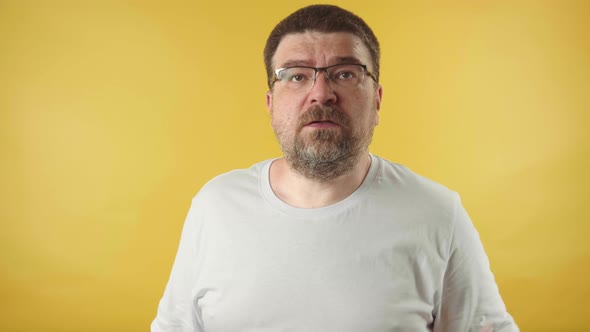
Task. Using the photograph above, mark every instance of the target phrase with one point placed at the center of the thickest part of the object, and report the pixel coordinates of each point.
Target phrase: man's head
(324, 96)
(321, 18)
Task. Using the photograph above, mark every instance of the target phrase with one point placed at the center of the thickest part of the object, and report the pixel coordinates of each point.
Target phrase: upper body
(399, 254)
(328, 238)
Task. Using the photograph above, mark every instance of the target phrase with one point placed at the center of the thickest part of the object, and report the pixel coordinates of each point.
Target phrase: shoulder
(238, 182)
(401, 189)
(401, 178)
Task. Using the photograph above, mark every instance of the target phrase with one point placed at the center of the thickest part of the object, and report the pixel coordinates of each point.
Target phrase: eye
(344, 75)
(296, 78)
(296, 74)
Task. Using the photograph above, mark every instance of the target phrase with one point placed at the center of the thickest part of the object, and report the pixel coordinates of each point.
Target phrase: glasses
(302, 78)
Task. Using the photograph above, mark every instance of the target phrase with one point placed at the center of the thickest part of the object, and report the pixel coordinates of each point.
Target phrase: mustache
(323, 113)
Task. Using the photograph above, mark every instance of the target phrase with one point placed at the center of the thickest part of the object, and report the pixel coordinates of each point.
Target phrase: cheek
(282, 120)
(365, 108)
(285, 112)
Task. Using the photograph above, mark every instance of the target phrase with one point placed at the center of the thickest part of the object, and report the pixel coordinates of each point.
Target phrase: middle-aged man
(328, 237)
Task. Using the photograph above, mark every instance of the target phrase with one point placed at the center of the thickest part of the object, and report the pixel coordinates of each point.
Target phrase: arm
(470, 297)
(176, 311)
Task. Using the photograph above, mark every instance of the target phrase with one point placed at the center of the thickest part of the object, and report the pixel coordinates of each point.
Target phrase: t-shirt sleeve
(177, 311)
(470, 297)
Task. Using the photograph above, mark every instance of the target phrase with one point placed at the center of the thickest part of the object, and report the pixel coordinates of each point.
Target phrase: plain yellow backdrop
(114, 113)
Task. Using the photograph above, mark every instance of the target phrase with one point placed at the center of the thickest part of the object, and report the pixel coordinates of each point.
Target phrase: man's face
(323, 130)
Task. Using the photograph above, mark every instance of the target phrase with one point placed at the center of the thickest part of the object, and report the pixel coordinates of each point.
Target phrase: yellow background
(114, 113)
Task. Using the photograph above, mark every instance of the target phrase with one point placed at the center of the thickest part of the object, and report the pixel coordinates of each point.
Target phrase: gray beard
(326, 158)
(329, 155)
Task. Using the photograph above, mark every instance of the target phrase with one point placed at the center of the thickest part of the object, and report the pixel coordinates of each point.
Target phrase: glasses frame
(325, 70)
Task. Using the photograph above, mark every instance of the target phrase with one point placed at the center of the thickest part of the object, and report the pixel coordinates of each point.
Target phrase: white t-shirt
(399, 254)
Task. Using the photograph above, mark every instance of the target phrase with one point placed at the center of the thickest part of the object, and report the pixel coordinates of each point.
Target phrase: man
(328, 237)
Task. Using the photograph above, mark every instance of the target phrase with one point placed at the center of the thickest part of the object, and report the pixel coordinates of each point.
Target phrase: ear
(269, 100)
(378, 96)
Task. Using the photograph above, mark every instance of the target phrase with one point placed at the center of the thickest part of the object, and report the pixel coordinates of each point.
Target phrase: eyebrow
(293, 63)
(348, 59)
(339, 60)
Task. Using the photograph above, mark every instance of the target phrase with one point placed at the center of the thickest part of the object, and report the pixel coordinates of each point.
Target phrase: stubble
(324, 153)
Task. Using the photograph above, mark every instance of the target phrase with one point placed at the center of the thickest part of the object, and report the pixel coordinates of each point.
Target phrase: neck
(300, 191)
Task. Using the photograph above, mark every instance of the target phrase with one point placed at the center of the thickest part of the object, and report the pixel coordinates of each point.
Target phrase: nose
(322, 91)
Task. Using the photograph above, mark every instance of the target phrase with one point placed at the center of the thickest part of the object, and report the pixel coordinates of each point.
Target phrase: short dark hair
(322, 18)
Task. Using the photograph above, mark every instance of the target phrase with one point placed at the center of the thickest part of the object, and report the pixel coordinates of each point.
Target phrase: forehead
(315, 48)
